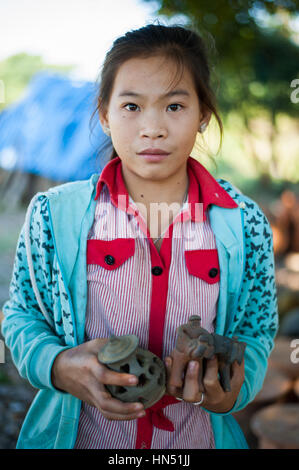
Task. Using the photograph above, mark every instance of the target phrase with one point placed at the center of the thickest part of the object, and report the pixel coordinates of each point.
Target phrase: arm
(255, 319)
(41, 351)
(32, 342)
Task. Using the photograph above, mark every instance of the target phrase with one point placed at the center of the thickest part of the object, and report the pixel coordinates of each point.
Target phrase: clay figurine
(227, 350)
(193, 343)
(122, 354)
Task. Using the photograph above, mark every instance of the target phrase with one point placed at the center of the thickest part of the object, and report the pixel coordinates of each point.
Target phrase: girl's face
(153, 127)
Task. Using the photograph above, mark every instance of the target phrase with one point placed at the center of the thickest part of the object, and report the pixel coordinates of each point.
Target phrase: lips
(153, 151)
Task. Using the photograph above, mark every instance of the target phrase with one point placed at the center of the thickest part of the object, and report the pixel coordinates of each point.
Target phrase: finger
(176, 378)
(238, 375)
(107, 376)
(95, 345)
(118, 409)
(210, 381)
(191, 384)
(168, 364)
(110, 415)
(171, 389)
(117, 417)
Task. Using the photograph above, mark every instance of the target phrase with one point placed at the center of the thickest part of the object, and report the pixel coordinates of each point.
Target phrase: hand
(215, 399)
(79, 372)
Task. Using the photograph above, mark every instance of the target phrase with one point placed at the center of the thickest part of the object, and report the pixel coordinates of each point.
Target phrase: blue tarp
(48, 131)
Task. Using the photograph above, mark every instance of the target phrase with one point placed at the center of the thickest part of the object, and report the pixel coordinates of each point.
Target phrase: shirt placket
(160, 265)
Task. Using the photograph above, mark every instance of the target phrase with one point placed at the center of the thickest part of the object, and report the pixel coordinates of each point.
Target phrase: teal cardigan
(45, 313)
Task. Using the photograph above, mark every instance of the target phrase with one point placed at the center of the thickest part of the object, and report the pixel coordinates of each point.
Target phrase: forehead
(152, 75)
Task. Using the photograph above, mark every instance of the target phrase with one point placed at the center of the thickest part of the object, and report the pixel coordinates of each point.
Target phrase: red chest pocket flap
(203, 264)
(110, 254)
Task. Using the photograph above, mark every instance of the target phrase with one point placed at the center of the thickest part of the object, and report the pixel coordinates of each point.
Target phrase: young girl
(93, 259)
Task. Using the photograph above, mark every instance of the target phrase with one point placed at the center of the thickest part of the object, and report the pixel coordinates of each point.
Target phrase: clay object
(275, 388)
(227, 350)
(122, 354)
(193, 343)
(277, 426)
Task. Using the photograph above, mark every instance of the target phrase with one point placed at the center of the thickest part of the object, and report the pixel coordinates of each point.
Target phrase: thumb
(95, 345)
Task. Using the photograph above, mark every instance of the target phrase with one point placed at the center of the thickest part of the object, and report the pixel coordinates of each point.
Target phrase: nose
(153, 126)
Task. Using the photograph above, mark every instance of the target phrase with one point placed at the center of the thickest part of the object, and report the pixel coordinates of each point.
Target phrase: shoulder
(67, 197)
(71, 188)
(69, 193)
(241, 199)
(253, 215)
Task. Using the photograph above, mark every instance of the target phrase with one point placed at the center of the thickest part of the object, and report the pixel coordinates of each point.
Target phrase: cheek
(186, 126)
(187, 136)
(122, 139)
(122, 124)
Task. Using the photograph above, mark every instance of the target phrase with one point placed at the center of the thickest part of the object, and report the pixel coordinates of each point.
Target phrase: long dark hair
(185, 46)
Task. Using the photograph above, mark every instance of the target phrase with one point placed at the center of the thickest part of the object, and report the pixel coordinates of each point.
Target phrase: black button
(213, 272)
(109, 259)
(156, 271)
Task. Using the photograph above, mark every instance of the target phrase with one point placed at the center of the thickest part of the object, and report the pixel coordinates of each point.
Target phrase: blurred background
(50, 58)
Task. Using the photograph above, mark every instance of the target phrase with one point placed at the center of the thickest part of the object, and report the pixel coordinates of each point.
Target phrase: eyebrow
(167, 95)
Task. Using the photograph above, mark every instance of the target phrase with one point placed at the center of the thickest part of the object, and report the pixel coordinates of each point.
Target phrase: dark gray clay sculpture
(122, 354)
(227, 350)
(195, 343)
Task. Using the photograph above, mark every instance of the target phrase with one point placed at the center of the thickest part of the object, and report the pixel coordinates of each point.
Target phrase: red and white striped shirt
(134, 289)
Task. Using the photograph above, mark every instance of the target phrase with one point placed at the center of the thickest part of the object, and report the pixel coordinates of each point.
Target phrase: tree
(16, 72)
(254, 59)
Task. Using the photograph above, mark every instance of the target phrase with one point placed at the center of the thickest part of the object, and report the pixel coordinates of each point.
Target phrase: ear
(205, 119)
(103, 116)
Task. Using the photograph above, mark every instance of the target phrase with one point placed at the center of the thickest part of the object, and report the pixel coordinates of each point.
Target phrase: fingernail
(139, 407)
(141, 414)
(192, 366)
(133, 380)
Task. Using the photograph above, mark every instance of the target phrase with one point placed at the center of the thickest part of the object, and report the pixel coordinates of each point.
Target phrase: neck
(171, 190)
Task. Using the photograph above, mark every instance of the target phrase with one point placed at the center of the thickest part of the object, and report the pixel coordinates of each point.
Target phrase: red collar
(203, 187)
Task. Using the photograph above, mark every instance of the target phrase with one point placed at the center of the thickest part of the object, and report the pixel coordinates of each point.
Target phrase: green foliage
(253, 63)
(264, 81)
(253, 58)
(16, 72)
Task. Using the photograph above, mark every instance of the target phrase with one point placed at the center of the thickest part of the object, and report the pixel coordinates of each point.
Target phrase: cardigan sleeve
(255, 319)
(33, 343)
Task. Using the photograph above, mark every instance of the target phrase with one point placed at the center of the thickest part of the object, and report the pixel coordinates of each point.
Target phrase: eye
(131, 107)
(175, 107)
